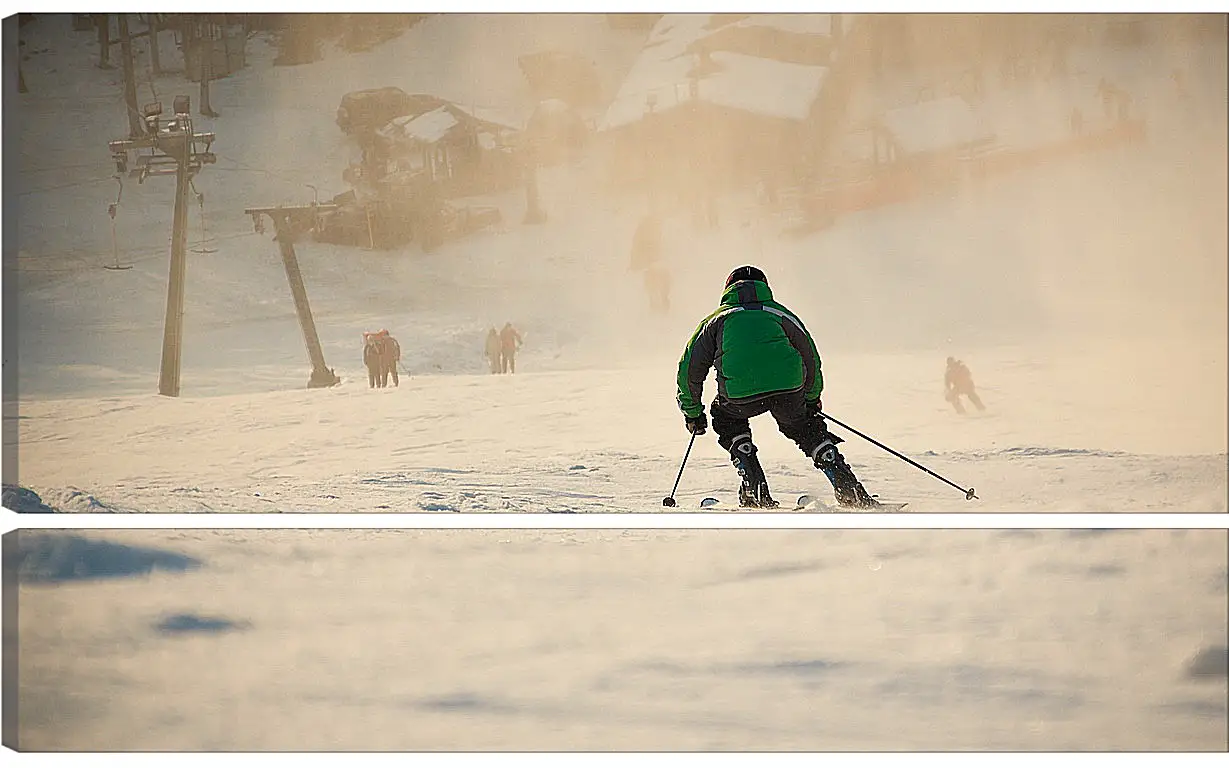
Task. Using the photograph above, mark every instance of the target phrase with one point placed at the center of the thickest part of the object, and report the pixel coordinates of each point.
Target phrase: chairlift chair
(112, 209)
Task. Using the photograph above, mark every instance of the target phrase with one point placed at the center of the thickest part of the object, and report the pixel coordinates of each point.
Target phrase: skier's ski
(806, 500)
(713, 504)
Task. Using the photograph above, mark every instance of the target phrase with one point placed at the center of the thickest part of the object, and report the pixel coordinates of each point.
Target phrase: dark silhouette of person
(494, 352)
(646, 243)
(657, 286)
(509, 342)
(957, 381)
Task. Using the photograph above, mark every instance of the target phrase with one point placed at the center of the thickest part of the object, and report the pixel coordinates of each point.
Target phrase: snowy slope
(465, 640)
(1089, 299)
(610, 441)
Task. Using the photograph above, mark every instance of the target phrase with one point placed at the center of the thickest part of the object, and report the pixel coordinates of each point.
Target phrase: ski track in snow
(622, 640)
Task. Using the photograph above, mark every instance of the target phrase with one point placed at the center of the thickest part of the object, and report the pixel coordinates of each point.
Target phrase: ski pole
(968, 494)
(669, 500)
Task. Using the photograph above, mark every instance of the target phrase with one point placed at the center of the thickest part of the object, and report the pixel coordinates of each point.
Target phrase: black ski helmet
(746, 272)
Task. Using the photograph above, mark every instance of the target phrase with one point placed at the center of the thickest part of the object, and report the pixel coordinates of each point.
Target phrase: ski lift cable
(83, 254)
(54, 187)
(83, 257)
(53, 168)
(240, 167)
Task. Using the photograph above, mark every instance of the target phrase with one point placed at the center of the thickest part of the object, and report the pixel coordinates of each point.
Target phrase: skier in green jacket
(766, 362)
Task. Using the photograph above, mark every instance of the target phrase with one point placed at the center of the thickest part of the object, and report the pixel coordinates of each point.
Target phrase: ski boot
(849, 492)
(753, 492)
(855, 496)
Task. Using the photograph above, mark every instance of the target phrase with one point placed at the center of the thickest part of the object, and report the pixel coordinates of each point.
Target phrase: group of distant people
(501, 347)
(381, 353)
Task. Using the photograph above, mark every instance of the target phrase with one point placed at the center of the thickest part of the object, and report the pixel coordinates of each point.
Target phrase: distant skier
(766, 362)
(657, 286)
(957, 381)
(646, 243)
(509, 342)
(494, 354)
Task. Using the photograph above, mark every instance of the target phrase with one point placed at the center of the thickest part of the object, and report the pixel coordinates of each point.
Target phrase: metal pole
(136, 126)
(172, 337)
(205, 47)
(669, 500)
(103, 21)
(968, 492)
(205, 59)
(321, 375)
(154, 61)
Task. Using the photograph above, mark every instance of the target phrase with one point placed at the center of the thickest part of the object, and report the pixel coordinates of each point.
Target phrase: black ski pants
(789, 409)
(732, 420)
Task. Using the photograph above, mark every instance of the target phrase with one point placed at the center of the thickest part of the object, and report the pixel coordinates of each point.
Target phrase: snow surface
(1088, 298)
(730, 640)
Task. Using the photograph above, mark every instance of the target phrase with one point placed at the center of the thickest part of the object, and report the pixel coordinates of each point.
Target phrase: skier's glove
(813, 409)
(696, 425)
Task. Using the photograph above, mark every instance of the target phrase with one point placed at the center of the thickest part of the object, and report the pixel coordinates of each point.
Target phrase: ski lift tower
(173, 148)
(289, 223)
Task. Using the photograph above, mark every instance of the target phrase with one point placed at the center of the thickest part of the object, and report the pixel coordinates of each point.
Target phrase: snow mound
(52, 558)
(18, 499)
(1211, 662)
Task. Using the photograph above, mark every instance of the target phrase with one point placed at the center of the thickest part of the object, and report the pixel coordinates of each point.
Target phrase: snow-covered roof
(429, 127)
(800, 23)
(659, 71)
(928, 126)
(675, 31)
(763, 86)
(507, 118)
(661, 75)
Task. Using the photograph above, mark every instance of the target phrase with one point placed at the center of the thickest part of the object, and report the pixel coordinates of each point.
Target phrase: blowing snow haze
(1042, 197)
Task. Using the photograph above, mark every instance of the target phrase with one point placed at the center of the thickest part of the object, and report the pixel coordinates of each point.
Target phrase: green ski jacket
(758, 347)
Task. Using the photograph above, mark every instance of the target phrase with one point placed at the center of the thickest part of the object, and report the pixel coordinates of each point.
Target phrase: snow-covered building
(715, 99)
(441, 142)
